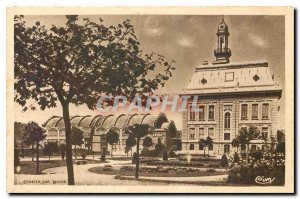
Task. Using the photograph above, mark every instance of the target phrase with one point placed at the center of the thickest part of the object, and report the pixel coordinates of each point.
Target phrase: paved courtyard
(58, 175)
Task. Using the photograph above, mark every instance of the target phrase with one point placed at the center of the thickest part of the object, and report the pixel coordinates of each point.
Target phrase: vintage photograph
(184, 99)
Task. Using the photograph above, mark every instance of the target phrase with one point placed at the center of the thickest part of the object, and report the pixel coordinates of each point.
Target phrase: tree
(224, 161)
(76, 138)
(235, 143)
(77, 63)
(202, 144)
(138, 131)
(112, 138)
(34, 134)
(209, 143)
(159, 147)
(170, 134)
(147, 142)
(19, 136)
(280, 142)
(50, 148)
(130, 142)
(246, 135)
(62, 148)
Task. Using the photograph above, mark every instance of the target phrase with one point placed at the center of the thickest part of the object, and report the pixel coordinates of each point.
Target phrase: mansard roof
(232, 78)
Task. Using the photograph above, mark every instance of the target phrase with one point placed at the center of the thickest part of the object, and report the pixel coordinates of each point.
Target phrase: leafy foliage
(138, 130)
(77, 136)
(50, 148)
(165, 156)
(159, 147)
(78, 62)
(224, 161)
(236, 157)
(34, 133)
(112, 137)
(147, 142)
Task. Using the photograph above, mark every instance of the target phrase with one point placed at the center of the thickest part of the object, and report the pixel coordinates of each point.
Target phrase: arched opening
(227, 120)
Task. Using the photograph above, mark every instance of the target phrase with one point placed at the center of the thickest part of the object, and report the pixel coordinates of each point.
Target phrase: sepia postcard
(150, 100)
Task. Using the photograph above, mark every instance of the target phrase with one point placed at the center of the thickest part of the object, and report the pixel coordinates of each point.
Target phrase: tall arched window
(227, 121)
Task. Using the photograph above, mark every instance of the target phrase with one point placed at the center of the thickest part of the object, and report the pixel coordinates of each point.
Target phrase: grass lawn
(153, 172)
(29, 167)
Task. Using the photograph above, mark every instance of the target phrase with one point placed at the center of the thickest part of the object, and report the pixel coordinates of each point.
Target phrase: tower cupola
(222, 53)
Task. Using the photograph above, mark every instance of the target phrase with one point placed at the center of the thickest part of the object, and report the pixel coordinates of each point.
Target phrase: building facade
(227, 97)
(96, 127)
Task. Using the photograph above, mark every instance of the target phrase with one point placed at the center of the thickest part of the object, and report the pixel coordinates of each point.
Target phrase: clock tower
(222, 53)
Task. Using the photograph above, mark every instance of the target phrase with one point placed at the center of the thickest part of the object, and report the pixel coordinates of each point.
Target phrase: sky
(188, 40)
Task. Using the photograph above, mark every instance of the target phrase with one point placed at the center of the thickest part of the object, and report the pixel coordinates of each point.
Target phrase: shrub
(271, 166)
(280, 148)
(165, 156)
(83, 156)
(145, 152)
(134, 158)
(236, 157)
(224, 161)
(172, 154)
(257, 155)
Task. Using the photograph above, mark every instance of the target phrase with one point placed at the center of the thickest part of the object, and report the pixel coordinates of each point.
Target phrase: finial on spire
(222, 18)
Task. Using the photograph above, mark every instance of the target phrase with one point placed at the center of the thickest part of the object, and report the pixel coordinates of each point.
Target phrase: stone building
(96, 127)
(231, 96)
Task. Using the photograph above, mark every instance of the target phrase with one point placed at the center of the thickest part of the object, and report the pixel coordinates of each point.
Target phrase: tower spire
(222, 53)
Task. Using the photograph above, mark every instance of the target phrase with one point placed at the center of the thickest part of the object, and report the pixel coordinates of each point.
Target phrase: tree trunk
(49, 157)
(32, 152)
(75, 152)
(37, 158)
(131, 152)
(138, 159)
(208, 152)
(247, 154)
(112, 148)
(204, 151)
(69, 160)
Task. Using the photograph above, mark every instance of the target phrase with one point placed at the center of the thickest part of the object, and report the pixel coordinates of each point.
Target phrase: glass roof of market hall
(108, 121)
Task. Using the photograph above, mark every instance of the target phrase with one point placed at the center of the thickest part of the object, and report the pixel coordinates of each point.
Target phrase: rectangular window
(226, 136)
(192, 113)
(201, 133)
(254, 111)
(211, 112)
(244, 115)
(201, 146)
(265, 132)
(265, 111)
(192, 134)
(192, 147)
(201, 112)
(211, 133)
